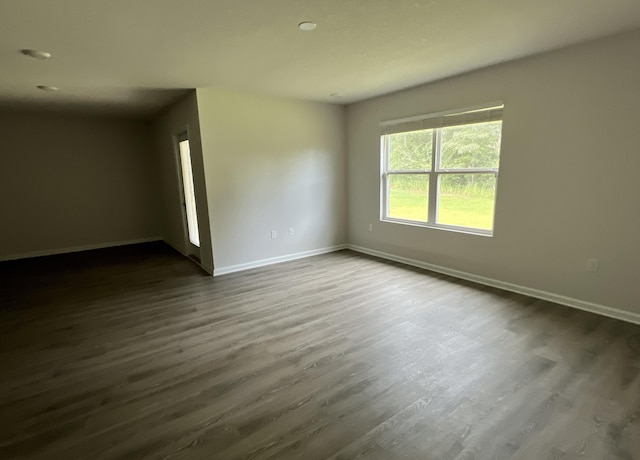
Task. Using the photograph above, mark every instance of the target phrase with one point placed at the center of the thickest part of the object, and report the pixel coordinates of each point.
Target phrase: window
(442, 171)
(188, 190)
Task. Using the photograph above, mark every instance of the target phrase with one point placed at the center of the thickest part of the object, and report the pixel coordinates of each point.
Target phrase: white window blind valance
(464, 117)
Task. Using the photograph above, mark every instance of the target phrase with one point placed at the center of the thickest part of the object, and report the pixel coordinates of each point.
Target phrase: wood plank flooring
(133, 353)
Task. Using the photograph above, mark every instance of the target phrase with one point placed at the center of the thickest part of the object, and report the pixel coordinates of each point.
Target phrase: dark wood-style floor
(133, 353)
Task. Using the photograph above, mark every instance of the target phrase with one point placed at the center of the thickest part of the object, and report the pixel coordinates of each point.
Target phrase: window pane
(412, 150)
(189, 193)
(408, 196)
(466, 200)
(471, 146)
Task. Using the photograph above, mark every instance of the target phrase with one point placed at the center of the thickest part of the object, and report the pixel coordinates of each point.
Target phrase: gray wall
(568, 187)
(272, 164)
(69, 182)
(182, 117)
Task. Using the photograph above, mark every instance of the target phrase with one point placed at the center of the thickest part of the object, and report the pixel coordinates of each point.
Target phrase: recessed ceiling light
(307, 26)
(48, 89)
(36, 54)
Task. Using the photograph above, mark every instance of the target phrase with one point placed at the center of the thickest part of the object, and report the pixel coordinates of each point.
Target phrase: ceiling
(136, 56)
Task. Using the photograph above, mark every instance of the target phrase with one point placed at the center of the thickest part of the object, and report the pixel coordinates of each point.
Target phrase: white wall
(182, 117)
(272, 164)
(568, 187)
(70, 181)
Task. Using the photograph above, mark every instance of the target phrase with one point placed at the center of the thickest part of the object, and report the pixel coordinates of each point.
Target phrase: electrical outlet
(592, 265)
(370, 227)
(274, 234)
(290, 231)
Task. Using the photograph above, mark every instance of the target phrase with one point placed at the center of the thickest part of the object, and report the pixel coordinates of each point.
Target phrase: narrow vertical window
(189, 191)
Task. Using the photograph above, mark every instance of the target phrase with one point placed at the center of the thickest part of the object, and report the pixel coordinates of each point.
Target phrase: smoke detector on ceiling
(48, 89)
(307, 26)
(37, 54)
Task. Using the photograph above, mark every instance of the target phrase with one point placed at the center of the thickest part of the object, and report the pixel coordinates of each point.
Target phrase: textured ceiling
(133, 56)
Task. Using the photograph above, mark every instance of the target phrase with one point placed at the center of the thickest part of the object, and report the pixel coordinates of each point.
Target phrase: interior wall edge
(603, 310)
(206, 268)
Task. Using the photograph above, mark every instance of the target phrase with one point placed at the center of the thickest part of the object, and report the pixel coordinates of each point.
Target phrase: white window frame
(437, 121)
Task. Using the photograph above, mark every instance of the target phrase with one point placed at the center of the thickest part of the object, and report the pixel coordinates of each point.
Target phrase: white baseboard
(604, 310)
(611, 312)
(276, 260)
(88, 247)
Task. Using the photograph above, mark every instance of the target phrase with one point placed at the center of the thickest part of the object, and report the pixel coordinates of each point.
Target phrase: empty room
(319, 229)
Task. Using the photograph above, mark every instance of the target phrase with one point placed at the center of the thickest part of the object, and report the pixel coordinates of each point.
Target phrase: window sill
(449, 228)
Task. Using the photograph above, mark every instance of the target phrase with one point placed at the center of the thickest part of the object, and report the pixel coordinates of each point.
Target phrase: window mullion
(433, 177)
